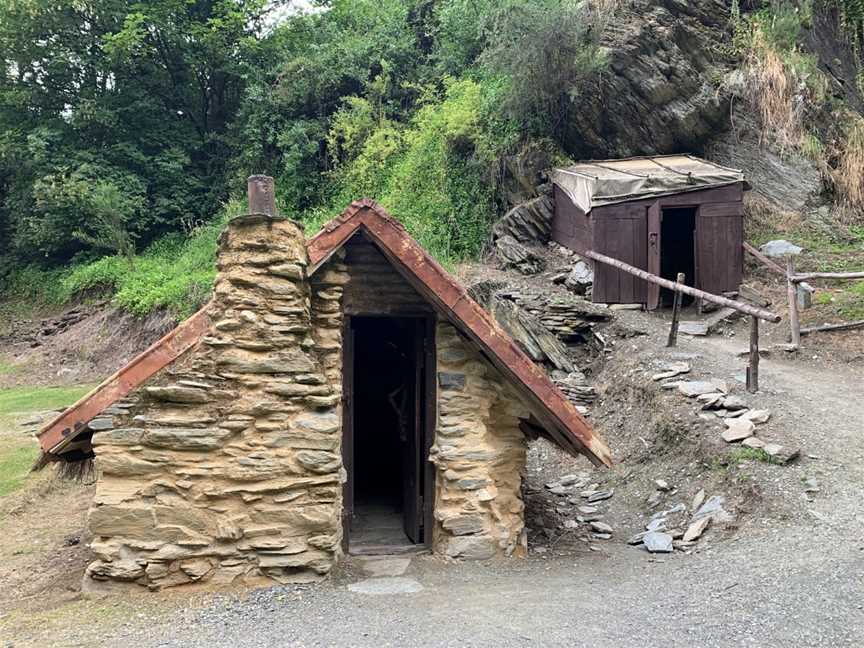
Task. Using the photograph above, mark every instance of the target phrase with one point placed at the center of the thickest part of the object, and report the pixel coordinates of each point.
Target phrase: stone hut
(341, 393)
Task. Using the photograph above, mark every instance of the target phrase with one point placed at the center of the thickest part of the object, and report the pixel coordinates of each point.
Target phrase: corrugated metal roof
(601, 182)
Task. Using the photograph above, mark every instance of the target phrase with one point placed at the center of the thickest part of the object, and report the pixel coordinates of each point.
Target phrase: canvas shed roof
(594, 183)
(557, 416)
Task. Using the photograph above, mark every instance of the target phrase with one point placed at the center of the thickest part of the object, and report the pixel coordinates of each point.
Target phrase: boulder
(780, 248)
(580, 278)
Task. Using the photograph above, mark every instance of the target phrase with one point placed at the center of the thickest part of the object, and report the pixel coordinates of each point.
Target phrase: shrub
(547, 49)
(435, 175)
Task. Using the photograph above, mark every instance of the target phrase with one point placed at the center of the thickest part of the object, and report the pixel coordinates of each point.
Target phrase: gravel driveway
(786, 587)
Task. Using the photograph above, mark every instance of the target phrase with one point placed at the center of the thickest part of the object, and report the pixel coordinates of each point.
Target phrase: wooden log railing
(798, 277)
(772, 265)
(679, 287)
(761, 313)
(795, 279)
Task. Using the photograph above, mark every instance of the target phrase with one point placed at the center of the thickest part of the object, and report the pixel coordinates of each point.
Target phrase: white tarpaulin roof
(602, 182)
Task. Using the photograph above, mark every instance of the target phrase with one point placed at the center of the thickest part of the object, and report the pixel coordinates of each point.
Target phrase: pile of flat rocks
(579, 506)
(570, 319)
(715, 402)
(679, 528)
(576, 388)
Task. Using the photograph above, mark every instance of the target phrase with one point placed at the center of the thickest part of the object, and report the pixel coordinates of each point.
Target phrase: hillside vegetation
(127, 129)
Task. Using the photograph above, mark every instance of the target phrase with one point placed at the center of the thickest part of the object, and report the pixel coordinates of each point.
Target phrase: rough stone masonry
(226, 466)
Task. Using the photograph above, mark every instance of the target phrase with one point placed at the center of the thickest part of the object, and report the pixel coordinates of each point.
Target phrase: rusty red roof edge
(432, 280)
(565, 423)
(69, 423)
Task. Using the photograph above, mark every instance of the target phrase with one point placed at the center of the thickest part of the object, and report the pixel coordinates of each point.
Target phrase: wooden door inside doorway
(388, 419)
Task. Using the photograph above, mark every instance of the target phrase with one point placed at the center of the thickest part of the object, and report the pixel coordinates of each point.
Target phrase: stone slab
(386, 586)
(385, 566)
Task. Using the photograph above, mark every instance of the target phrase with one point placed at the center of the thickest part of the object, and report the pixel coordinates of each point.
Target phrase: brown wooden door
(719, 247)
(655, 218)
(620, 232)
(412, 483)
(347, 428)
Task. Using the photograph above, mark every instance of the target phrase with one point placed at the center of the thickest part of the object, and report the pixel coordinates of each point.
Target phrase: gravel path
(780, 589)
(793, 581)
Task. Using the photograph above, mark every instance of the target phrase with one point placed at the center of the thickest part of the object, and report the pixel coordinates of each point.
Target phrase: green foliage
(547, 49)
(751, 454)
(174, 273)
(433, 174)
(122, 124)
(134, 95)
(852, 19)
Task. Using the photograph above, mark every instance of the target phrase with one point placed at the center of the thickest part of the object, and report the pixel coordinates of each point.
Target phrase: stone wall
(226, 467)
(479, 454)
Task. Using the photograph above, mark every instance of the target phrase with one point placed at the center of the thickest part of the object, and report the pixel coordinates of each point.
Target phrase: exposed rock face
(659, 93)
(479, 453)
(527, 222)
(227, 466)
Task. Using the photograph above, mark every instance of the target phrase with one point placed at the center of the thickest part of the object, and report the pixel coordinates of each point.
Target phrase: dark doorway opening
(677, 249)
(386, 477)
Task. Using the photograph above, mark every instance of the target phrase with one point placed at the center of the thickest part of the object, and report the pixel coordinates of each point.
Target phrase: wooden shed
(663, 214)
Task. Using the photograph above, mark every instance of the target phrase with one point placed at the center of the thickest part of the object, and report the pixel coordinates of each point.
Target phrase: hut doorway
(386, 433)
(677, 249)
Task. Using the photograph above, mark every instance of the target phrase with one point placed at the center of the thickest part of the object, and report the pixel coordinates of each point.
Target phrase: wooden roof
(555, 413)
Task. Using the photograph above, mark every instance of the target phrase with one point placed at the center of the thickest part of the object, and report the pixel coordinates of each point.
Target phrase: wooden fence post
(792, 293)
(676, 314)
(753, 367)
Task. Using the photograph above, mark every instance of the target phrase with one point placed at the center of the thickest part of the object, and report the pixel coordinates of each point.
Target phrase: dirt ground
(787, 570)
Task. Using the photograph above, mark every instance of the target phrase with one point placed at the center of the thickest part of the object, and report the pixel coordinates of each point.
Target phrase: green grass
(175, 273)
(7, 367)
(750, 454)
(32, 399)
(15, 461)
(17, 452)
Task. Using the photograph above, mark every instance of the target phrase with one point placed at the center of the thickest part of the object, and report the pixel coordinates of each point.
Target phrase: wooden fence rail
(679, 287)
(761, 313)
(793, 280)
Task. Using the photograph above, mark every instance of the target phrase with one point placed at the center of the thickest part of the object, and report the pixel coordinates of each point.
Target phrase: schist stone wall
(479, 454)
(226, 466)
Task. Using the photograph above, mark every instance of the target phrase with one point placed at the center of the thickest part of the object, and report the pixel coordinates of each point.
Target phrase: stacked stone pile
(570, 319)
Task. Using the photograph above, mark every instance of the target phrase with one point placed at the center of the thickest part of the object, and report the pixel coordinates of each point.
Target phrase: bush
(435, 175)
(547, 49)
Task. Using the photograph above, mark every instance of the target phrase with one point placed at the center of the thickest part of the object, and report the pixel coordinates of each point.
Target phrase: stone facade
(226, 466)
(479, 454)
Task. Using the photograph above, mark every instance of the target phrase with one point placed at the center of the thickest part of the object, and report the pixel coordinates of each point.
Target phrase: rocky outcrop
(658, 93)
(527, 222)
